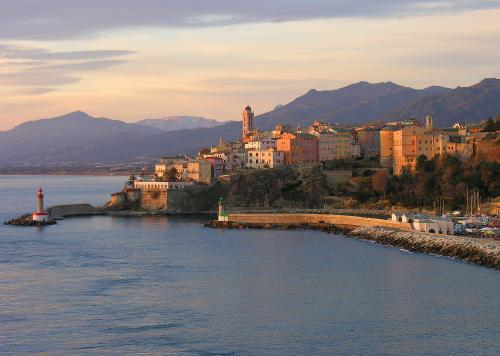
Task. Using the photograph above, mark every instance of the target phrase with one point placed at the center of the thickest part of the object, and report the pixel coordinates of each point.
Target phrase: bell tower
(428, 123)
(247, 122)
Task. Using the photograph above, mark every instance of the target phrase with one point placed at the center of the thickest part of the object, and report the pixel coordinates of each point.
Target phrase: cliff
(274, 188)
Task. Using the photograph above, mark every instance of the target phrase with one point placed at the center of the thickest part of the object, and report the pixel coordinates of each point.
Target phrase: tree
(492, 126)
(380, 180)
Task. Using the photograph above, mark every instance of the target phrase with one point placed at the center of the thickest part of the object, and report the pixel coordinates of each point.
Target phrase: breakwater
(340, 221)
(62, 211)
(484, 252)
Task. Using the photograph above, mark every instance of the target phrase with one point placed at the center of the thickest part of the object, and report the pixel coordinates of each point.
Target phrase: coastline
(477, 251)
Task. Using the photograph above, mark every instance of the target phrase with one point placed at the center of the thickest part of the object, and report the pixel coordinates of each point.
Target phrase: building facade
(369, 142)
(298, 148)
(268, 158)
(333, 144)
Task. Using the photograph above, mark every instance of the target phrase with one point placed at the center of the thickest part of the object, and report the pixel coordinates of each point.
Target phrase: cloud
(32, 91)
(28, 66)
(36, 78)
(19, 52)
(61, 19)
(81, 66)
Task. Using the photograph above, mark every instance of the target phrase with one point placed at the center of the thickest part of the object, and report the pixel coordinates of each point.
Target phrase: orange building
(299, 148)
(400, 146)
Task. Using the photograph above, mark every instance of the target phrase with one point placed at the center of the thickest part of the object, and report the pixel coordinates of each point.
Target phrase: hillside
(80, 138)
(174, 123)
(356, 103)
(473, 103)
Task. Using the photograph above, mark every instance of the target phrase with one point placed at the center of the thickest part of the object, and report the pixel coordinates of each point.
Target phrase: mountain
(173, 123)
(462, 104)
(356, 103)
(80, 138)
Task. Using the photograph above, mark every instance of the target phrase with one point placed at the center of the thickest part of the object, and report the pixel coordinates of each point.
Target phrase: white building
(424, 223)
(162, 186)
(261, 144)
(434, 226)
(261, 159)
(233, 161)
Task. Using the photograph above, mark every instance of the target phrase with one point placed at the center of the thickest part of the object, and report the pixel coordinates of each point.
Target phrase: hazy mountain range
(79, 138)
(173, 123)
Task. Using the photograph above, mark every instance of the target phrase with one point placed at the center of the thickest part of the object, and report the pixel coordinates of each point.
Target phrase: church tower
(428, 123)
(248, 116)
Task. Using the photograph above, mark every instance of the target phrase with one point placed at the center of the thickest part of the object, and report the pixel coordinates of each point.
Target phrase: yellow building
(333, 143)
(199, 171)
(400, 146)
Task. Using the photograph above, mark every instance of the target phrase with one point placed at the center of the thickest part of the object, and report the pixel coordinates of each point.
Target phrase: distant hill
(356, 103)
(80, 138)
(462, 104)
(173, 123)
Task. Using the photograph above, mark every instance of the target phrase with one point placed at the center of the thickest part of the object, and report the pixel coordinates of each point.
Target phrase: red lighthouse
(39, 215)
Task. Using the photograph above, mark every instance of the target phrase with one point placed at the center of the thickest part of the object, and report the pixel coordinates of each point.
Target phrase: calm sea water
(169, 286)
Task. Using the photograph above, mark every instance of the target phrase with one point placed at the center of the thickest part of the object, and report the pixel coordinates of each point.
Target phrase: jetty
(484, 252)
(27, 220)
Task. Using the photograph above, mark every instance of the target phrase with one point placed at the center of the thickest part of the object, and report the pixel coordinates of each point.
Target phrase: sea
(170, 286)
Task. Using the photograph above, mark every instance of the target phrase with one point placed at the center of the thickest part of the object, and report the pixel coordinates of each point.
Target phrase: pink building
(217, 166)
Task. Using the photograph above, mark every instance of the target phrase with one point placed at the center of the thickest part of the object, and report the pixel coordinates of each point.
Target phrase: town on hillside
(394, 146)
(380, 165)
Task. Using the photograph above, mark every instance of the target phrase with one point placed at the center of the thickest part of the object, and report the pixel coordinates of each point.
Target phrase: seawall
(484, 252)
(61, 211)
(341, 221)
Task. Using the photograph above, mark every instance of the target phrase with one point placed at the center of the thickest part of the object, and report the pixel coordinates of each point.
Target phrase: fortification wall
(59, 211)
(339, 220)
(153, 200)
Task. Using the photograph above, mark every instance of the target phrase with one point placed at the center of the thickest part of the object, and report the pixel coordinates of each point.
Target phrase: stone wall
(334, 178)
(59, 211)
(153, 200)
(338, 220)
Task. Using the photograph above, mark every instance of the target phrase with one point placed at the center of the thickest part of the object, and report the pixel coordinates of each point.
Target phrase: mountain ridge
(79, 137)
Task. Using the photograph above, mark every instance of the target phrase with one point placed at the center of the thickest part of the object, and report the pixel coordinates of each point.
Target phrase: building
(333, 144)
(199, 171)
(39, 215)
(488, 149)
(387, 145)
(247, 122)
(261, 143)
(400, 146)
(424, 223)
(434, 225)
(217, 166)
(162, 186)
(167, 166)
(298, 148)
(268, 158)
(369, 142)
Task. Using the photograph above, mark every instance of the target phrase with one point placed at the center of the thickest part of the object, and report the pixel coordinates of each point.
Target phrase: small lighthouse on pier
(39, 215)
(222, 216)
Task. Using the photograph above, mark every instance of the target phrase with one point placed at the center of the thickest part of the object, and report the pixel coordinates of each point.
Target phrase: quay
(483, 252)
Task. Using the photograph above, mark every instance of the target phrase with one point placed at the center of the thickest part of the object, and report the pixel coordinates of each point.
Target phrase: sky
(130, 60)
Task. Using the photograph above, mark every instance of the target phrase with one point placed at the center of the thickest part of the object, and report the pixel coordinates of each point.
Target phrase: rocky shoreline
(483, 252)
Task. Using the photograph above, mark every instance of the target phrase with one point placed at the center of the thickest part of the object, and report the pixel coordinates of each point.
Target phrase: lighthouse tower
(248, 117)
(223, 216)
(39, 215)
